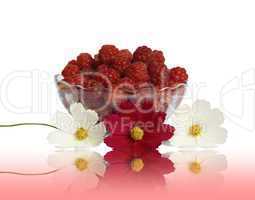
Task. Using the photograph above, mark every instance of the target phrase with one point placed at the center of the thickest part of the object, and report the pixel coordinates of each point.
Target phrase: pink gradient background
(239, 183)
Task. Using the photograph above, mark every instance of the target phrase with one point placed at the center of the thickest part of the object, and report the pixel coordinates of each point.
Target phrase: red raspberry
(156, 56)
(70, 70)
(73, 62)
(126, 80)
(155, 67)
(178, 75)
(91, 84)
(142, 54)
(101, 77)
(101, 68)
(164, 80)
(138, 72)
(85, 61)
(69, 80)
(76, 80)
(107, 53)
(97, 60)
(111, 74)
(126, 84)
(122, 60)
(158, 73)
(93, 94)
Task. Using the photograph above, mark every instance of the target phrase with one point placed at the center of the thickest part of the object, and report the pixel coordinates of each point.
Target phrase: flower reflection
(140, 169)
(78, 170)
(197, 169)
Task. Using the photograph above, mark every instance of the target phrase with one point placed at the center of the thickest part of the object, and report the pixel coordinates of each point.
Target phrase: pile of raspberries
(144, 66)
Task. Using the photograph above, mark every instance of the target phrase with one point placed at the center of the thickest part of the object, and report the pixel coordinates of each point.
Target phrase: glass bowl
(105, 100)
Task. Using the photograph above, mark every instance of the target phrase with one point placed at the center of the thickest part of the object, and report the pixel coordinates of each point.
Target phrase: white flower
(198, 126)
(79, 130)
(78, 170)
(196, 169)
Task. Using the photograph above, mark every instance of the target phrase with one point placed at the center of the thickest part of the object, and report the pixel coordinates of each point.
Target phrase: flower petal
(97, 131)
(201, 106)
(183, 157)
(182, 114)
(62, 139)
(96, 134)
(215, 118)
(117, 125)
(157, 163)
(114, 157)
(65, 177)
(97, 167)
(78, 112)
(87, 180)
(152, 140)
(118, 142)
(202, 156)
(183, 141)
(61, 159)
(64, 122)
(91, 118)
(214, 136)
(215, 163)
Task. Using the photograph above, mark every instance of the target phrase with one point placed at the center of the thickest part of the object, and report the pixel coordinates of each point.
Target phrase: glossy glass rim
(60, 79)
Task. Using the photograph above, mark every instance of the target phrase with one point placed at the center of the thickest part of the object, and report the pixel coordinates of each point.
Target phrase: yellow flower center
(81, 164)
(81, 134)
(137, 165)
(137, 133)
(195, 130)
(195, 167)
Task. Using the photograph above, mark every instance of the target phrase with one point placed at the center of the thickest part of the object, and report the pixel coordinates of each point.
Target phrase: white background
(215, 40)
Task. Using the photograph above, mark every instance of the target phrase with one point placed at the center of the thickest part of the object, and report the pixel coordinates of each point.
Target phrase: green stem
(30, 174)
(27, 124)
